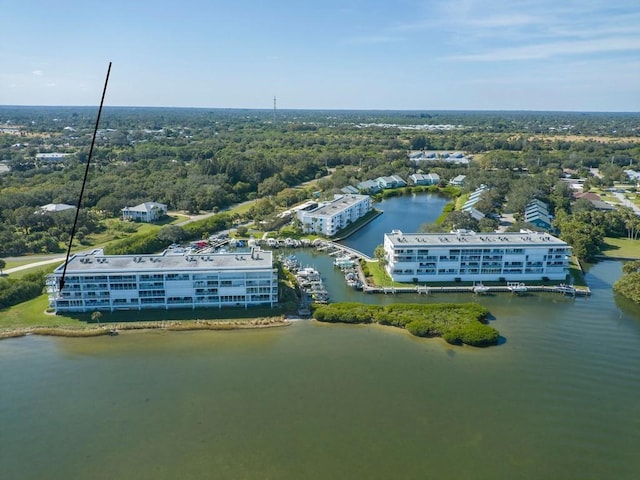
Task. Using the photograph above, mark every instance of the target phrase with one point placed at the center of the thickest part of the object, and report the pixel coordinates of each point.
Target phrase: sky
(561, 55)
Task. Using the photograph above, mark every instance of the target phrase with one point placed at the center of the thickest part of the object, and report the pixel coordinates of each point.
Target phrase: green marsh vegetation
(456, 323)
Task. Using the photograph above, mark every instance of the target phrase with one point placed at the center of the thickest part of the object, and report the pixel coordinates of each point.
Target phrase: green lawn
(380, 277)
(621, 248)
(32, 314)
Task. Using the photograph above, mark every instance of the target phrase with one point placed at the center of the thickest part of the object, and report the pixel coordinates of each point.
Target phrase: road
(627, 203)
(27, 266)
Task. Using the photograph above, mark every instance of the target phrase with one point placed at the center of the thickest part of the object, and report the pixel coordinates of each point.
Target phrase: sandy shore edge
(167, 325)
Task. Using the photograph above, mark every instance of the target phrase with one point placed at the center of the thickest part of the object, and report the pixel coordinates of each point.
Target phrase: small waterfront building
(96, 281)
(368, 186)
(393, 181)
(469, 256)
(145, 212)
(425, 179)
(331, 217)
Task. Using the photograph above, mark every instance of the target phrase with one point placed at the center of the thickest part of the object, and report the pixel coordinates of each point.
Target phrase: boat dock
(347, 259)
(521, 289)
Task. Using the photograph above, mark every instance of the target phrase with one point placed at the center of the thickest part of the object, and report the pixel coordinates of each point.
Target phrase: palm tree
(96, 316)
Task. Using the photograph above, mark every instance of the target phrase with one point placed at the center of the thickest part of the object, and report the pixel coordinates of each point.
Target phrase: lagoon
(404, 213)
(557, 399)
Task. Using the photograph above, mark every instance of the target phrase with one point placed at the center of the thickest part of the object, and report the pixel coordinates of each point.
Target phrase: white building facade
(331, 217)
(133, 282)
(468, 256)
(145, 212)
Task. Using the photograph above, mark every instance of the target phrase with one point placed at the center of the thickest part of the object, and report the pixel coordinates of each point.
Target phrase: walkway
(349, 251)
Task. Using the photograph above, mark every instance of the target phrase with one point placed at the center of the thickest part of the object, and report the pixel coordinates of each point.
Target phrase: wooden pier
(427, 290)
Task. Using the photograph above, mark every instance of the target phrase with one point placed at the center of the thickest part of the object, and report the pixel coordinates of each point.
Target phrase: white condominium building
(132, 282)
(331, 217)
(469, 256)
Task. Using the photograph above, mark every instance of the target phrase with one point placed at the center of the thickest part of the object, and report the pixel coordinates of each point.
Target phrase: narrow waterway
(558, 399)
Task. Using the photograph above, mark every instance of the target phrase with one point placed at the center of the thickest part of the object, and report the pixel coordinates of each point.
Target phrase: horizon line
(311, 109)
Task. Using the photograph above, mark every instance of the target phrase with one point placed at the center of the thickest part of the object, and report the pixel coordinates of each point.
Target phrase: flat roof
(92, 262)
(471, 238)
(338, 205)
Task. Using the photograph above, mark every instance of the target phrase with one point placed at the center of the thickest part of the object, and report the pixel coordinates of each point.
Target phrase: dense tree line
(18, 290)
(629, 284)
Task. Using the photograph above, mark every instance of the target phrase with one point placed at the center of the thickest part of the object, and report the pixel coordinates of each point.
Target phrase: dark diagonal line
(84, 180)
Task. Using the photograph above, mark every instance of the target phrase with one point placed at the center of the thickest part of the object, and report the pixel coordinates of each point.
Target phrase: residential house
(145, 212)
(474, 198)
(536, 212)
(393, 181)
(350, 190)
(422, 179)
(368, 186)
(55, 208)
(457, 181)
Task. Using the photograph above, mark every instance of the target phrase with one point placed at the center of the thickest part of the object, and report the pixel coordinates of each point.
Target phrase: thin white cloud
(476, 22)
(505, 21)
(548, 50)
(373, 40)
(38, 73)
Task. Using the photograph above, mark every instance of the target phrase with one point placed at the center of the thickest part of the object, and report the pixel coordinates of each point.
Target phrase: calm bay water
(400, 213)
(557, 400)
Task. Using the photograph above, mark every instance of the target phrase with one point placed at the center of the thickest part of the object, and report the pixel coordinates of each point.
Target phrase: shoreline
(166, 325)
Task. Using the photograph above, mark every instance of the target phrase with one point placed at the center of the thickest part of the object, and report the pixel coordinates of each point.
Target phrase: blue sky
(351, 54)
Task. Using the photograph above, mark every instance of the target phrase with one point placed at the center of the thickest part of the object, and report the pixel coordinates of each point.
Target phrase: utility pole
(274, 109)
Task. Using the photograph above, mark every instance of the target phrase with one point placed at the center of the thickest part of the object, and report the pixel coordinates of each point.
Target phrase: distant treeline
(197, 160)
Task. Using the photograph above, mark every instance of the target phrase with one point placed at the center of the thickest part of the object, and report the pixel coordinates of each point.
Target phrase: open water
(558, 399)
